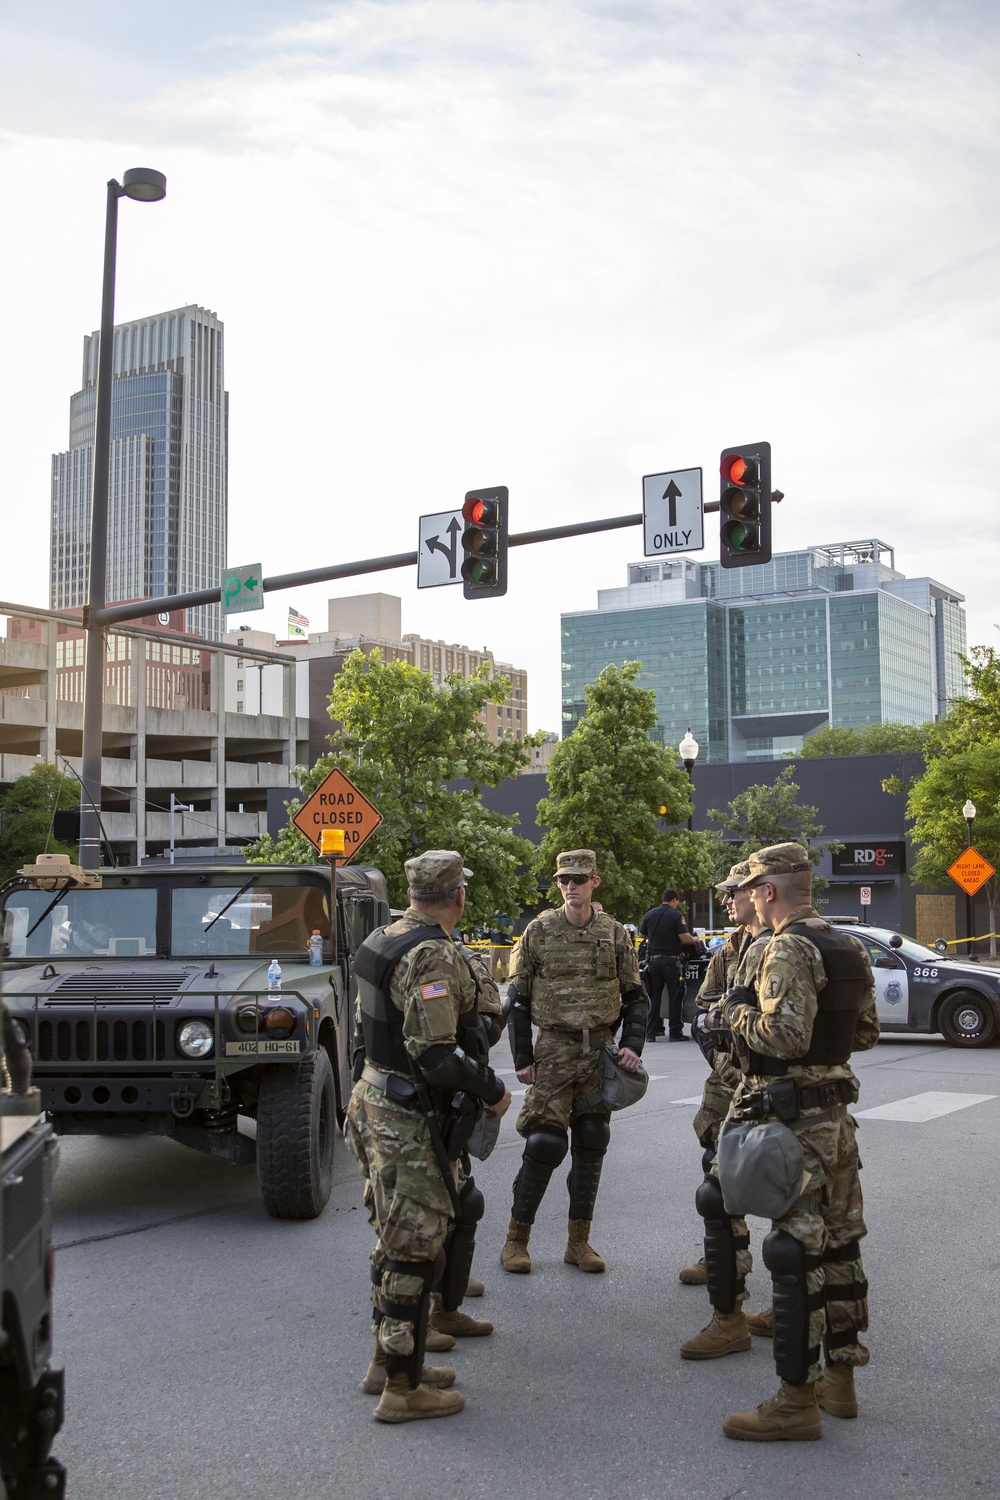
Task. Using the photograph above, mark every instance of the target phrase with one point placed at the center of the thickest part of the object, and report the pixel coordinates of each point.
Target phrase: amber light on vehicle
(279, 1022)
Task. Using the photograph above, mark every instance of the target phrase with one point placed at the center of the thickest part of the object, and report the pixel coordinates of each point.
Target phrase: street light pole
(144, 185)
(688, 752)
(968, 813)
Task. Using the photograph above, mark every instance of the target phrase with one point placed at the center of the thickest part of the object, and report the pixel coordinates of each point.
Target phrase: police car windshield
(83, 924)
(910, 949)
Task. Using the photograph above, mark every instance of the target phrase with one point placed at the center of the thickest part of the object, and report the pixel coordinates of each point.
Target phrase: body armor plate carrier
(838, 1002)
(381, 1020)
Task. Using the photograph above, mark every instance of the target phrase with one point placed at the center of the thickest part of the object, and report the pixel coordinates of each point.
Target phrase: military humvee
(143, 995)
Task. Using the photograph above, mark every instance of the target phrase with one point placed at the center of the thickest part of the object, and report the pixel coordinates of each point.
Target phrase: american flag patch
(433, 991)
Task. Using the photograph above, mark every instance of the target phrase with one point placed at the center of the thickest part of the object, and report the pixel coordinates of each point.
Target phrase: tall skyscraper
(167, 503)
(752, 659)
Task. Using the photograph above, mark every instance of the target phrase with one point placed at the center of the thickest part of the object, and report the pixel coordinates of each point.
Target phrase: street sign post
(337, 803)
(242, 589)
(672, 515)
(439, 554)
(971, 871)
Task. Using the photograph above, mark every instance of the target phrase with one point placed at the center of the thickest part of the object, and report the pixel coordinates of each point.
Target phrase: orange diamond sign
(337, 803)
(971, 871)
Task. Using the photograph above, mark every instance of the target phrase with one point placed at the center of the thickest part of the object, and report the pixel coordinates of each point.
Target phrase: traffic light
(745, 506)
(484, 543)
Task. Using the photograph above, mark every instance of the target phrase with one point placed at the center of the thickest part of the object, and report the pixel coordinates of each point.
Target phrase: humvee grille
(101, 1041)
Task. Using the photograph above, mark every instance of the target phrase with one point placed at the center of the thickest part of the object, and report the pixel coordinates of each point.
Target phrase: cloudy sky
(553, 244)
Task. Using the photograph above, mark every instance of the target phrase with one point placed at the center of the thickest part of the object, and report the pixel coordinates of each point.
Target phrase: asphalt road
(213, 1352)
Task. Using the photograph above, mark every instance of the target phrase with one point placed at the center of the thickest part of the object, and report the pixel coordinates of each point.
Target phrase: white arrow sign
(672, 518)
(439, 549)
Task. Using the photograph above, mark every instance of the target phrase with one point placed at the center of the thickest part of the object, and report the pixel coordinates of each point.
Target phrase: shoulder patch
(437, 991)
(775, 986)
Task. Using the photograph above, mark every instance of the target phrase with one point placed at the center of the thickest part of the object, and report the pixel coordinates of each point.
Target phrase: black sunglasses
(573, 879)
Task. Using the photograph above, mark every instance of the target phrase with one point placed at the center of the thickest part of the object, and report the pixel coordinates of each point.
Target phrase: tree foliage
(962, 760)
(401, 739)
(27, 812)
(607, 783)
(765, 815)
(871, 739)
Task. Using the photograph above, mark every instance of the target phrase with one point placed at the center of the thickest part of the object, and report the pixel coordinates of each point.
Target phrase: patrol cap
(576, 862)
(779, 859)
(737, 874)
(435, 873)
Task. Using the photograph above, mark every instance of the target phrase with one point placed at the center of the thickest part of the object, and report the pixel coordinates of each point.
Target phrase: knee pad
(784, 1255)
(591, 1133)
(547, 1145)
(707, 1158)
(708, 1200)
(471, 1202)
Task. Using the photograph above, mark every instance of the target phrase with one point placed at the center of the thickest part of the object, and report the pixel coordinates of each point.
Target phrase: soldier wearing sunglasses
(576, 978)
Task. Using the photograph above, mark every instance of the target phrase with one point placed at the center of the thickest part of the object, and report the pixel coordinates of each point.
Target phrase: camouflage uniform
(827, 1221)
(407, 1197)
(572, 983)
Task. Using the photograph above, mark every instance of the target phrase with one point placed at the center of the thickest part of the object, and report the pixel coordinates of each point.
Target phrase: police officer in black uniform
(667, 935)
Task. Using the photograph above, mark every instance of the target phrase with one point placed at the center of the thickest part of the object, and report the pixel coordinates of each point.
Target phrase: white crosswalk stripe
(918, 1108)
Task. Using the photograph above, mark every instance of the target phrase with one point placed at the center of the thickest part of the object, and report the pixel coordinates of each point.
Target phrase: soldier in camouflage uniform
(812, 1003)
(726, 1235)
(576, 978)
(414, 985)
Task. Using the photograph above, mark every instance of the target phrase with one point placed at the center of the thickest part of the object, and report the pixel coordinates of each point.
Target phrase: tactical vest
(576, 985)
(838, 1006)
(381, 1020)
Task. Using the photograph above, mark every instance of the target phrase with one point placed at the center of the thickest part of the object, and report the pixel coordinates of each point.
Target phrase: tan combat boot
(514, 1255)
(726, 1334)
(399, 1402)
(762, 1324)
(579, 1251)
(835, 1391)
(694, 1275)
(458, 1324)
(436, 1375)
(474, 1288)
(792, 1416)
(438, 1343)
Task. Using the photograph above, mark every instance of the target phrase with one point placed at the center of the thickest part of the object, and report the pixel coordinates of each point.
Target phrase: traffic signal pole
(117, 614)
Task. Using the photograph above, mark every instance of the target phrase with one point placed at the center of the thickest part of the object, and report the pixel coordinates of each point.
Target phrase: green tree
(764, 815)
(607, 784)
(27, 813)
(871, 739)
(401, 739)
(935, 805)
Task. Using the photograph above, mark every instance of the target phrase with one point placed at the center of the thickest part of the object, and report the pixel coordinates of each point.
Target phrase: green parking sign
(242, 588)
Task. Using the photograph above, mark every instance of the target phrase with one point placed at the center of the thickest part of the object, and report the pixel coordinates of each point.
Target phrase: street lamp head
(969, 810)
(145, 185)
(688, 749)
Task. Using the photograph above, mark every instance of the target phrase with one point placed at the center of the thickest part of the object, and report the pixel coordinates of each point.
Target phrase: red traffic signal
(745, 506)
(484, 543)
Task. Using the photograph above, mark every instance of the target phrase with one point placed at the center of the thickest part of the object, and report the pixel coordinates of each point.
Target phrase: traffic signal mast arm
(117, 614)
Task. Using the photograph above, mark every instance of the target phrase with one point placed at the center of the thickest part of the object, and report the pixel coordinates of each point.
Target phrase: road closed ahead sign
(337, 803)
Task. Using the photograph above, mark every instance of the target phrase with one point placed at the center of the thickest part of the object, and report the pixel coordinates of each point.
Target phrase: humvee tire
(296, 1126)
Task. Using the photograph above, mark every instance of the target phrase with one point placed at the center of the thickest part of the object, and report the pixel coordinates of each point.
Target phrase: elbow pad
(493, 1026)
(519, 1031)
(635, 1011)
(449, 1068)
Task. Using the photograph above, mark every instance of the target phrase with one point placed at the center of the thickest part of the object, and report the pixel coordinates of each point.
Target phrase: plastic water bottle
(316, 949)
(274, 975)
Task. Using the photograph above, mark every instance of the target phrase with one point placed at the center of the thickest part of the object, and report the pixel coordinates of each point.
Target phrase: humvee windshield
(83, 923)
(263, 919)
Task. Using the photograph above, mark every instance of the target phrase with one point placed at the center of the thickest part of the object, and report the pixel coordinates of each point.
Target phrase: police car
(917, 989)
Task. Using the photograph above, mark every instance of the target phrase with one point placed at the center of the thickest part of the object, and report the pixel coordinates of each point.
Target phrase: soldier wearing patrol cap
(576, 978)
(414, 990)
(810, 1004)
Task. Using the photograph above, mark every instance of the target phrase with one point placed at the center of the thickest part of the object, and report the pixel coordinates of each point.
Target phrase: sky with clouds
(552, 244)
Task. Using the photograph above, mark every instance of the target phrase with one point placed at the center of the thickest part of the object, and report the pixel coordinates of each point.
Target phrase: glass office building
(167, 503)
(753, 659)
